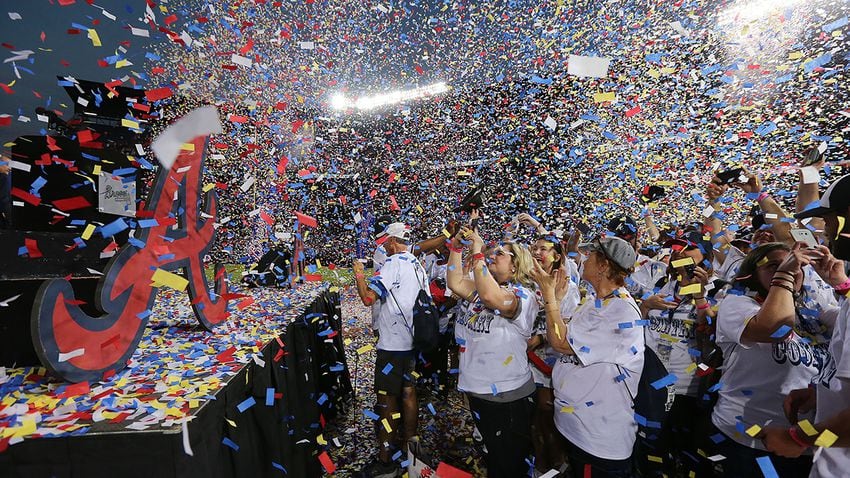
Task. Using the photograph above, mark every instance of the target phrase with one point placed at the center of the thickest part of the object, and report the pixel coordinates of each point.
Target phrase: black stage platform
(305, 366)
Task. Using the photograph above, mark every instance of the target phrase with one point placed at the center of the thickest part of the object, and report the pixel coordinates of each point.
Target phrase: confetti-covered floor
(175, 369)
(444, 424)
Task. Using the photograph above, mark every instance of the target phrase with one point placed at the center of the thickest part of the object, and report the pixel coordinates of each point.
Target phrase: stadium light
(753, 10)
(364, 103)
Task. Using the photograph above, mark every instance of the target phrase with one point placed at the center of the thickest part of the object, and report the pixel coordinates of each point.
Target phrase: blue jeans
(741, 462)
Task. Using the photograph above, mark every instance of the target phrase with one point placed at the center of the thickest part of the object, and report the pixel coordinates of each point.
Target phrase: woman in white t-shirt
(773, 342)
(548, 449)
(492, 330)
(602, 346)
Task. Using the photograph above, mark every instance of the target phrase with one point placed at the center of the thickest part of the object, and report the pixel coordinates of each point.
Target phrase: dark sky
(58, 49)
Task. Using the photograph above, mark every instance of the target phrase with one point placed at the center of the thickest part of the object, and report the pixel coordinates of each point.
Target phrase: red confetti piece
(157, 94)
(326, 462)
(306, 220)
(72, 203)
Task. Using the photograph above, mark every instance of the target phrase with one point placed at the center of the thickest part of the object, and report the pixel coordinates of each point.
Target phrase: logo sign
(114, 196)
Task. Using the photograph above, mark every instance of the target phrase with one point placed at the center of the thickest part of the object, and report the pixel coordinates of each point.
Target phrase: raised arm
(492, 295)
(556, 327)
(778, 309)
(719, 241)
(461, 285)
(807, 193)
(773, 212)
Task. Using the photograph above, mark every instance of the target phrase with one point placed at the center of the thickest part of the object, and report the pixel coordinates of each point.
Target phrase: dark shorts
(394, 371)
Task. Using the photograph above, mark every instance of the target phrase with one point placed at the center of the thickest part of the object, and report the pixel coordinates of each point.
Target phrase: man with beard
(831, 429)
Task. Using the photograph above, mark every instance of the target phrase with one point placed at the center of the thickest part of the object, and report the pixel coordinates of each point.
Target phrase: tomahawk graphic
(179, 233)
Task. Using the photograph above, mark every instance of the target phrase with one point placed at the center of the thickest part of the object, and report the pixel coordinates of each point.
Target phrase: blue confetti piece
(766, 466)
(494, 389)
(322, 399)
(246, 404)
(834, 25)
(584, 349)
(432, 409)
(780, 332)
(113, 228)
(625, 325)
(371, 414)
(279, 467)
(269, 397)
(387, 369)
(228, 442)
(670, 379)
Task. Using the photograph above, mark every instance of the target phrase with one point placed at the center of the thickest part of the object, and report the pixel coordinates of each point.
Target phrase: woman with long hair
(548, 447)
(496, 321)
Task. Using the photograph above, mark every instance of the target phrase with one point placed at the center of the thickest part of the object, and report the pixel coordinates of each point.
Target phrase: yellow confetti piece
(347, 342)
(208, 187)
(89, 230)
(568, 409)
(362, 350)
(321, 440)
(122, 64)
(691, 289)
(795, 55)
(396, 415)
(508, 360)
(656, 459)
(691, 368)
(762, 262)
(753, 430)
(386, 425)
(682, 262)
(187, 147)
(129, 123)
(826, 439)
(169, 279)
(807, 428)
(96, 170)
(94, 37)
(231, 422)
(603, 97)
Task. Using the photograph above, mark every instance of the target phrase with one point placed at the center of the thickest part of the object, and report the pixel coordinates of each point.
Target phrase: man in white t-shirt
(393, 291)
(831, 430)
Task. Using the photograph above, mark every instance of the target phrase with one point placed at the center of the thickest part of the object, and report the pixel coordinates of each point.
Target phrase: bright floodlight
(340, 102)
(747, 11)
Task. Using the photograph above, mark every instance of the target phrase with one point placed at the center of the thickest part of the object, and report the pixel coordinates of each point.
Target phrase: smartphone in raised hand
(730, 176)
(804, 236)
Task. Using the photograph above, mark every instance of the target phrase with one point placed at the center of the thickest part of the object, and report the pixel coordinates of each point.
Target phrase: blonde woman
(496, 321)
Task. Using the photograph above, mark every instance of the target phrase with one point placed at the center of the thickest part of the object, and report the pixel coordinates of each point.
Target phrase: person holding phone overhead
(497, 315)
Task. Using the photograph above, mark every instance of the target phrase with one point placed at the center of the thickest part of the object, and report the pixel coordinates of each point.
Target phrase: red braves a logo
(80, 347)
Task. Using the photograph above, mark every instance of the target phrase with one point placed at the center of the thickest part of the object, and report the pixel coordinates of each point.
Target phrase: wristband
(782, 286)
(794, 436)
(843, 287)
(762, 197)
(359, 275)
(478, 257)
(704, 306)
(459, 250)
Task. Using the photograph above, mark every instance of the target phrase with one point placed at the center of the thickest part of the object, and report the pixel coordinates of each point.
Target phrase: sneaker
(378, 469)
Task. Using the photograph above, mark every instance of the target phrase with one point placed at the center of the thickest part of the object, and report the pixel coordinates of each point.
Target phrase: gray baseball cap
(617, 250)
